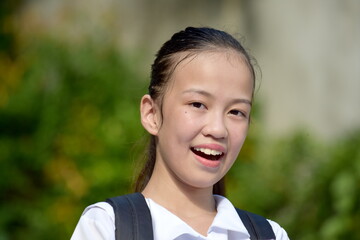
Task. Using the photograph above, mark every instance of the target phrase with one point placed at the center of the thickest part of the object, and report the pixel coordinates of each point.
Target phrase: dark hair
(191, 41)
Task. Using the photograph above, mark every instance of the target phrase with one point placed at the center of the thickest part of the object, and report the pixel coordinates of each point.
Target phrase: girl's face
(205, 118)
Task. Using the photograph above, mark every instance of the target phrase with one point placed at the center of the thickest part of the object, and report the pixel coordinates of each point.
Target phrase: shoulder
(99, 210)
(224, 203)
(96, 222)
(280, 233)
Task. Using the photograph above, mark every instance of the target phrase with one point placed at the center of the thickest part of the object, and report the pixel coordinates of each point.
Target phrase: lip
(210, 163)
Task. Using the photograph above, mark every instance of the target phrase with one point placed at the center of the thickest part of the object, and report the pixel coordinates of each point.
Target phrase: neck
(195, 206)
(178, 197)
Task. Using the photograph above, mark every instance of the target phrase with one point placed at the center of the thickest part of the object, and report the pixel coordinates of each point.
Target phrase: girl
(198, 113)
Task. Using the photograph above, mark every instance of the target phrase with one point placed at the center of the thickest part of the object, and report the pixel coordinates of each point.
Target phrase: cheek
(181, 124)
(238, 138)
(185, 116)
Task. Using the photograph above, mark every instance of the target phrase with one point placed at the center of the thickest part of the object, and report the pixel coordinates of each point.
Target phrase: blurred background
(72, 74)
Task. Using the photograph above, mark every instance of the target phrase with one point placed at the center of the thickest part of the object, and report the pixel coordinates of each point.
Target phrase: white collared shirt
(98, 222)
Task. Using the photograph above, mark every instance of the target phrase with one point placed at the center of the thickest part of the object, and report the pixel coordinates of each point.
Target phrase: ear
(149, 115)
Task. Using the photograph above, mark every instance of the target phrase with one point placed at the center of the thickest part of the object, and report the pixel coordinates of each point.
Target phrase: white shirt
(98, 222)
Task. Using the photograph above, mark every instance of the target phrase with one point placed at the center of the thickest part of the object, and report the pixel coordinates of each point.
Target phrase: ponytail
(148, 168)
(219, 187)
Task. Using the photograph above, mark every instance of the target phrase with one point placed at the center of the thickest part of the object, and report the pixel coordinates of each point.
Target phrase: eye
(197, 105)
(238, 113)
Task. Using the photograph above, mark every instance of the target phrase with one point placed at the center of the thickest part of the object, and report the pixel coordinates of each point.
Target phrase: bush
(311, 189)
(67, 135)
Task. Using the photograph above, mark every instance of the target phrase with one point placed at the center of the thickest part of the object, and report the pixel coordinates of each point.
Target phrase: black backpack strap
(132, 217)
(257, 226)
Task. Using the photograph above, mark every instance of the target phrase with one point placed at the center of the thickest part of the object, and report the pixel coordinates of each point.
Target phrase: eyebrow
(207, 94)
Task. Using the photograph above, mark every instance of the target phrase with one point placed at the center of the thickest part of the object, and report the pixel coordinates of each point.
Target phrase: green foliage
(67, 136)
(70, 131)
(311, 189)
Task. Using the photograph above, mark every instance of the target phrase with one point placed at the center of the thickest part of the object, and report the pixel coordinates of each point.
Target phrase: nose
(215, 127)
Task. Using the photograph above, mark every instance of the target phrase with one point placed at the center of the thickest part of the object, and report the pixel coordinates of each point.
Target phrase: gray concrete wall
(309, 52)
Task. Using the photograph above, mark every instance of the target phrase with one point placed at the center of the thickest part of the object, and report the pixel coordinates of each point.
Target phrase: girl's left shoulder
(224, 204)
(280, 233)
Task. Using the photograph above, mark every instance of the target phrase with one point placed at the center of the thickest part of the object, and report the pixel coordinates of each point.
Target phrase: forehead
(222, 65)
(183, 58)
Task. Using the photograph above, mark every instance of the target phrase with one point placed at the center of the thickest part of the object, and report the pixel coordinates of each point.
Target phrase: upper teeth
(208, 151)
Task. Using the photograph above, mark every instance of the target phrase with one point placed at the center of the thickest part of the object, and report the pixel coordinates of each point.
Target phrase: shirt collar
(167, 225)
(227, 218)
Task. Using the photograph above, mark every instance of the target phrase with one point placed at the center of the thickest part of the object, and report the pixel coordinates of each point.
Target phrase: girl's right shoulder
(96, 222)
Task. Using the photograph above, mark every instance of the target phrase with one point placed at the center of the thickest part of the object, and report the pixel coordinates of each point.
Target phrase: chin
(202, 183)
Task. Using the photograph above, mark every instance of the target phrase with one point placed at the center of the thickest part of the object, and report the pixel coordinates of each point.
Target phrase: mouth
(209, 154)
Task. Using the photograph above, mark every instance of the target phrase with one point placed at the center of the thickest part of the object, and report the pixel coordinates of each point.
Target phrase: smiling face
(204, 120)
